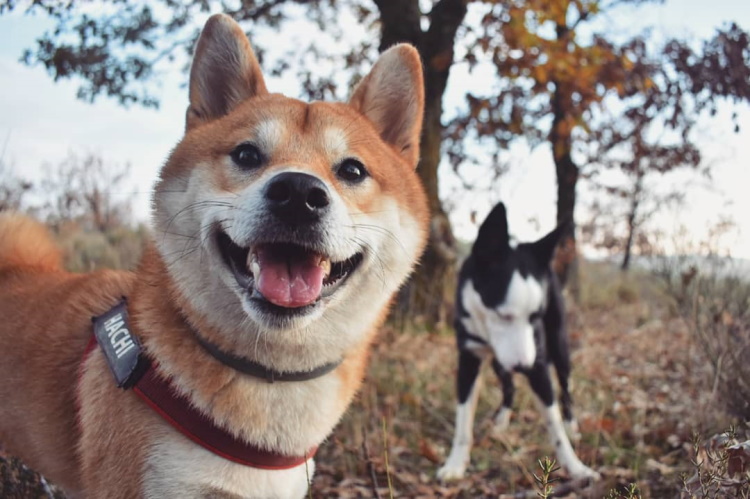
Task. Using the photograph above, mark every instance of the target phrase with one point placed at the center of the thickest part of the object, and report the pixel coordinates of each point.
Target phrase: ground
(641, 387)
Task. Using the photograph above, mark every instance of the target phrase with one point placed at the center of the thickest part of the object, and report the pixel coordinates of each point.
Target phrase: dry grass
(641, 386)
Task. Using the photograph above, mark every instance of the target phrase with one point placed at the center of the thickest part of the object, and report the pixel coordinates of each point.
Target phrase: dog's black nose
(297, 197)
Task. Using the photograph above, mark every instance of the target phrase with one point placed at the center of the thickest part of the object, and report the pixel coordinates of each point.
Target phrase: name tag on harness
(120, 347)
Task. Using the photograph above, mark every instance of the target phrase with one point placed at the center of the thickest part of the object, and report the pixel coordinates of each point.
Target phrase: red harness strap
(161, 395)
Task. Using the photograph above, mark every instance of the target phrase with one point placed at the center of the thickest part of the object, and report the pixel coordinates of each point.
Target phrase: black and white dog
(509, 311)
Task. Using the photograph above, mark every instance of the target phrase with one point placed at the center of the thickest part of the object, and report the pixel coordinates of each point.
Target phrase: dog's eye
(352, 171)
(247, 156)
(506, 317)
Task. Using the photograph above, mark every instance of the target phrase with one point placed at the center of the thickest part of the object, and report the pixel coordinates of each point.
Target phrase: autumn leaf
(427, 451)
(738, 459)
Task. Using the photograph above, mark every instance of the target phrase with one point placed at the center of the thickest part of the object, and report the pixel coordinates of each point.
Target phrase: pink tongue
(287, 282)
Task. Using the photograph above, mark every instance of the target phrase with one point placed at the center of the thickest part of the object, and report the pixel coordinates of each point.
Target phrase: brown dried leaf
(738, 461)
(427, 450)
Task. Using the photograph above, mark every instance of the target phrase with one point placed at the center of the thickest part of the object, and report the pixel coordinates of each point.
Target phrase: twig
(385, 453)
(436, 416)
(717, 376)
(526, 473)
(370, 465)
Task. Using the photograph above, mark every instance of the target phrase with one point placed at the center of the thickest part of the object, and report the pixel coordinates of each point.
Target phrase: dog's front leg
(502, 418)
(468, 393)
(540, 382)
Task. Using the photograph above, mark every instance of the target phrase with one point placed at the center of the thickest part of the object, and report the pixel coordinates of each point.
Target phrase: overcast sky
(41, 122)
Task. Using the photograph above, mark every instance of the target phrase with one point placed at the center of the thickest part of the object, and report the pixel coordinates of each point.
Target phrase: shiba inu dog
(509, 312)
(282, 230)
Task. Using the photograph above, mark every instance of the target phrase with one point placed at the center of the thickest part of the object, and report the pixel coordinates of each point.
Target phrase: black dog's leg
(561, 359)
(541, 383)
(468, 394)
(502, 417)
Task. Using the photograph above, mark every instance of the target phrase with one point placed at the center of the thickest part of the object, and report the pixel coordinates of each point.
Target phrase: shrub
(713, 295)
(721, 467)
(87, 250)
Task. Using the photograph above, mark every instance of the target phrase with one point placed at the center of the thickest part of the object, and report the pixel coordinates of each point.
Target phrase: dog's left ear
(392, 98)
(544, 248)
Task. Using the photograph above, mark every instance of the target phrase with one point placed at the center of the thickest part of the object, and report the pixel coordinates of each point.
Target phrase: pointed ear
(392, 98)
(544, 249)
(493, 239)
(224, 73)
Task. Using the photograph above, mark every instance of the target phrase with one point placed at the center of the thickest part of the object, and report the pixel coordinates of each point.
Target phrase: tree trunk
(566, 263)
(632, 221)
(425, 295)
(625, 265)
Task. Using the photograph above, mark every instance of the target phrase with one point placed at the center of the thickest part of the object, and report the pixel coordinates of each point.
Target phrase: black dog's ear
(544, 248)
(492, 240)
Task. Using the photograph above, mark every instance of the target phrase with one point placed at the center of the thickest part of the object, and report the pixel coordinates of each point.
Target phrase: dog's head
(508, 288)
(287, 226)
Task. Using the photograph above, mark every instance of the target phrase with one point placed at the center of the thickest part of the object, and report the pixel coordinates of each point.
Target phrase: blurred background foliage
(86, 202)
(545, 73)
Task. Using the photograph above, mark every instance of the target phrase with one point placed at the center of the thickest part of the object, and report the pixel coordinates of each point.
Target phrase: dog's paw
(451, 471)
(501, 422)
(580, 471)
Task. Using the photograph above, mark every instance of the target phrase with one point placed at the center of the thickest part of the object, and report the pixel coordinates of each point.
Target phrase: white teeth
(252, 264)
(325, 264)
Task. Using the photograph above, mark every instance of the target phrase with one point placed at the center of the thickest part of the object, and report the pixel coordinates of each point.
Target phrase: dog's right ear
(544, 249)
(224, 72)
(493, 239)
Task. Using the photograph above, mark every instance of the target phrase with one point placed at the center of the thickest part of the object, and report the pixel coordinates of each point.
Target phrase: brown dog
(281, 232)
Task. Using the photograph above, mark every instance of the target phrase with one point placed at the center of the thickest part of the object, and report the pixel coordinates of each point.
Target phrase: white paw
(571, 427)
(502, 420)
(451, 471)
(579, 470)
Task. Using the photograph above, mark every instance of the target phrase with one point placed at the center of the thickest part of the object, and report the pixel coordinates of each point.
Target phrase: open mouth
(284, 276)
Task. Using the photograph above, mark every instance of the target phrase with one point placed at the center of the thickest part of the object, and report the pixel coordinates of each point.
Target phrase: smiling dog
(282, 231)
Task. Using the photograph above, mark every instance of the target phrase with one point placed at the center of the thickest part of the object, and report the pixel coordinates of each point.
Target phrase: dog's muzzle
(287, 263)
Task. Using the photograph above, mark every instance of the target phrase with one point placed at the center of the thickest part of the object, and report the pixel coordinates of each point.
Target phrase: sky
(42, 122)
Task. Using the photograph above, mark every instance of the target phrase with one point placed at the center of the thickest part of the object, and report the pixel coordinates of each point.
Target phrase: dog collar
(132, 368)
(251, 368)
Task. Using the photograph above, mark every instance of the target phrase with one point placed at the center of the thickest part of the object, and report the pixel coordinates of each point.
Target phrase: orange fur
(46, 316)
(26, 242)
(115, 446)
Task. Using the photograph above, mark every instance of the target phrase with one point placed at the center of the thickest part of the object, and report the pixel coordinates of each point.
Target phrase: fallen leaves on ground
(641, 388)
